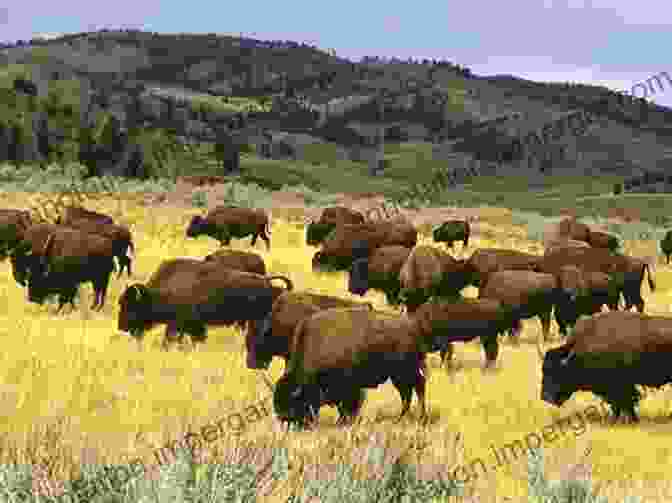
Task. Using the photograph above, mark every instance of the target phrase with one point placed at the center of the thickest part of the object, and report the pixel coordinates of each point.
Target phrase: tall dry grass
(73, 390)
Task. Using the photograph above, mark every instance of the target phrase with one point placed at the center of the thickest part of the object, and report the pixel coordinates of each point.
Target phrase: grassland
(69, 382)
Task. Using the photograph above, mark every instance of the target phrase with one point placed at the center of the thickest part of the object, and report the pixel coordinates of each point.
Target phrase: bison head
(195, 227)
(134, 306)
(23, 260)
(316, 232)
(295, 403)
(558, 376)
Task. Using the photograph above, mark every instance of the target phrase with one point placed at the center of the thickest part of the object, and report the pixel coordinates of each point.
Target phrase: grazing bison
(599, 239)
(451, 231)
(629, 271)
(429, 272)
(122, 240)
(335, 215)
(338, 352)
(485, 261)
(74, 213)
(27, 252)
(595, 289)
(337, 248)
(226, 222)
(531, 294)
(239, 260)
(608, 355)
(188, 294)
(443, 323)
(288, 310)
(13, 225)
(70, 257)
(666, 246)
(380, 271)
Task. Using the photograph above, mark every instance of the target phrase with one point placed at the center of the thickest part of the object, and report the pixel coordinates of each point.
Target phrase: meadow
(75, 391)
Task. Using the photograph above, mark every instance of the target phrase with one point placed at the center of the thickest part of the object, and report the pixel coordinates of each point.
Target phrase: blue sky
(607, 42)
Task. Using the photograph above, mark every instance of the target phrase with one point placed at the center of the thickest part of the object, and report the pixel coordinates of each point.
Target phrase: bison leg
(514, 332)
(100, 284)
(67, 296)
(170, 336)
(447, 354)
(411, 377)
(623, 399)
(545, 319)
(124, 262)
(266, 239)
(350, 407)
(491, 350)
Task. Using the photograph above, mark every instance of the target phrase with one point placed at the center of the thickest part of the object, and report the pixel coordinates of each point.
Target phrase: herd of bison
(335, 348)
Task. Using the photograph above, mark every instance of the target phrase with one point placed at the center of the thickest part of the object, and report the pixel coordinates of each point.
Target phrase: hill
(322, 115)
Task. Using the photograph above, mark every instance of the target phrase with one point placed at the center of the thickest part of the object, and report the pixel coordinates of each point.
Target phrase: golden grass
(71, 375)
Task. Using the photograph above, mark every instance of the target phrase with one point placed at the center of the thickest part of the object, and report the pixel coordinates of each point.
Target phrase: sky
(615, 43)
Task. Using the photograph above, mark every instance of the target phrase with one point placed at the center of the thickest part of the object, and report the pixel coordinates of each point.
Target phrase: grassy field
(410, 164)
(70, 383)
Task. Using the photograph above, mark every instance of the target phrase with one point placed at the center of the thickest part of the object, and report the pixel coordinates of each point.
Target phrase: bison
(442, 323)
(380, 271)
(609, 354)
(531, 294)
(288, 310)
(188, 294)
(27, 252)
(628, 271)
(451, 231)
(595, 289)
(335, 215)
(485, 261)
(120, 235)
(338, 352)
(70, 257)
(337, 249)
(239, 260)
(74, 213)
(599, 239)
(429, 272)
(226, 222)
(13, 225)
(571, 228)
(666, 246)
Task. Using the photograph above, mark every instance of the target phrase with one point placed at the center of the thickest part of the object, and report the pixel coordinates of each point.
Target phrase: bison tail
(288, 282)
